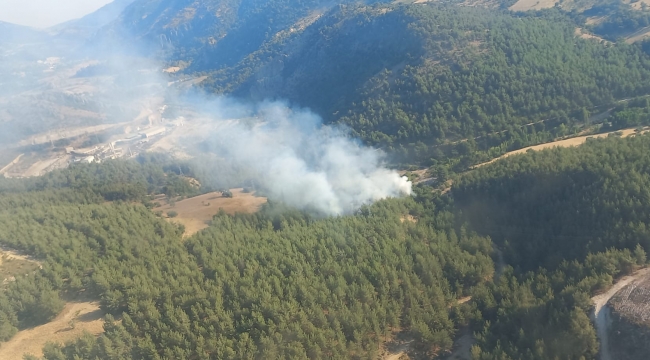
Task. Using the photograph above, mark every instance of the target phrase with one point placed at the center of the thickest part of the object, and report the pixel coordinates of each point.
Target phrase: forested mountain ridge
(209, 34)
(441, 74)
(416, 80)
(600, 186)
(569, 221)
(87, 25)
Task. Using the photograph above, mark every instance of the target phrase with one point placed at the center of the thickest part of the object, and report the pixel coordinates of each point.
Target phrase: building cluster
(115, 149)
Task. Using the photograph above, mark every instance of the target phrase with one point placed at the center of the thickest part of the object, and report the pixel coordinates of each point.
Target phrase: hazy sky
(44, 13)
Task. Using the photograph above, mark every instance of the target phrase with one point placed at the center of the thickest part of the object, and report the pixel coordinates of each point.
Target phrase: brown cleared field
(581, 33)
(86, 315)
(197, 212)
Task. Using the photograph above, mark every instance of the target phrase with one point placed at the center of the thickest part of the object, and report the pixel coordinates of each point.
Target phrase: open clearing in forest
(463, 346)
(582, 33)
(576, 141)
(638, 35)
(396, 346)
(197, 212)
(13, 264)
(525, 5)
(86, 316)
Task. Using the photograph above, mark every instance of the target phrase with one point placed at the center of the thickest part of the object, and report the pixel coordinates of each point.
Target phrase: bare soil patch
(583, 34)
(526, 5)
(409, 218)
(595, 20)
(11, 164)
(14, 264)
(86, 316)
(637, 5)
(197, 212)
(397, 347)
(39, 167)
(417, 176)
(638, 35)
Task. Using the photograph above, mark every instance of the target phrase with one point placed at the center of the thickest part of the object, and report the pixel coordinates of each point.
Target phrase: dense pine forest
(287, 284)
(278, 284)
(441, 74)
(568, 222)
(510, 252)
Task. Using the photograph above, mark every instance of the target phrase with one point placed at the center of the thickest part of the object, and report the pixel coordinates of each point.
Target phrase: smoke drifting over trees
(305, 164)
(287, 151)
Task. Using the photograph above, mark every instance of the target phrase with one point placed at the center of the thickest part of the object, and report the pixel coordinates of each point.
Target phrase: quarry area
(629, 321)
(622, 318)
(94, 120)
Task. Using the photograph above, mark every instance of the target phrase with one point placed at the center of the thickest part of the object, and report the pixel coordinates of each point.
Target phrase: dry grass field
(86, 316)
(197, 212)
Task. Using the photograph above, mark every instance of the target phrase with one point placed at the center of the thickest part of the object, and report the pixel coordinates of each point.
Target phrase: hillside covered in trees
(285, 284)
(568, 221)
(411, 78)
(278, 284)
(524, 241)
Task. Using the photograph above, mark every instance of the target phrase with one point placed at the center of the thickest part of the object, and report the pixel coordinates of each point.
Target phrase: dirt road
(601, 314)
(571, 142)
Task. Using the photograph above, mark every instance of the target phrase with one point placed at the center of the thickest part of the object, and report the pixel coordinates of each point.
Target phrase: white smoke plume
(307, 165)
(287, 151)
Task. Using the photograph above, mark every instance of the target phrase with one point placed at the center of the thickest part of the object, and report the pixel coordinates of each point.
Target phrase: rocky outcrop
(629, 334)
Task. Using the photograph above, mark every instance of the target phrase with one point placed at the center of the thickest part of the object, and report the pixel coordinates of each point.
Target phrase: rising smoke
(305, 164)
(288, 152)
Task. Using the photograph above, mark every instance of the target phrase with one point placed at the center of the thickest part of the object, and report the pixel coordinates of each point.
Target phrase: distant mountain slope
(423, 75)
(12, 33)
(408, 78)
(611, 19)
(93, 21)
(211, 32)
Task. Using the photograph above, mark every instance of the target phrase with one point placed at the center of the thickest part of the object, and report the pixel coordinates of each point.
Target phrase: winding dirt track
(601, 314)
(570, 142)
